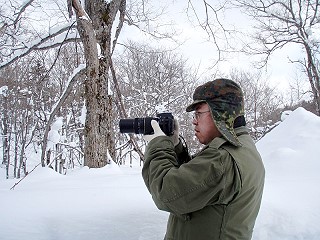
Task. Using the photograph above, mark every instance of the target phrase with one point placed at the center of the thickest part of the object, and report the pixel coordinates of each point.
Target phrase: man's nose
(195, 121)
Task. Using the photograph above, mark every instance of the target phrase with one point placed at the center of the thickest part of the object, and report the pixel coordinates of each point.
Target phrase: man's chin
(199, 139)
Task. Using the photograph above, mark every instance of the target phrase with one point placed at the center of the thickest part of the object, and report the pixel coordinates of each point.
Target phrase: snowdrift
(291, 200)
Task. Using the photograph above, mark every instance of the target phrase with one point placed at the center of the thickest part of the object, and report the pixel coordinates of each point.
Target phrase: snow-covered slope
(291, 200)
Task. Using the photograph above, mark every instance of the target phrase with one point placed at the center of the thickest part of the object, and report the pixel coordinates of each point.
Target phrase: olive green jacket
(215, 195)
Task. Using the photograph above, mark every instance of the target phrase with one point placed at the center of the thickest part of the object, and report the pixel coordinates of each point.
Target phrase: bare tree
(20, 40)
(97, 24)
(298, 90)
(18, 118)
(261, 101)
(210, 17)
(96, 29)
(4, 128)
(280, 23)
(155, 80)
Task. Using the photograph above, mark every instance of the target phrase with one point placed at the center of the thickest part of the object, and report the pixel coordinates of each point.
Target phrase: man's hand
(157, 131)
(175, 136)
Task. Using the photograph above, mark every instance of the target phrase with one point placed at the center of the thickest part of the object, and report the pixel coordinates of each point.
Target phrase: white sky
(113, 202)
(200, 52)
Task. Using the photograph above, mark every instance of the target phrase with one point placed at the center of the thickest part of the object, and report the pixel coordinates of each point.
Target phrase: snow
(106, 203)
(291, 206)
(113, 203)
(4, 90)
(54, 136)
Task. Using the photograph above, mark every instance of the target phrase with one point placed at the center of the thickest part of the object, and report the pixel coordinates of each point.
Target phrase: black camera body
(143, 125)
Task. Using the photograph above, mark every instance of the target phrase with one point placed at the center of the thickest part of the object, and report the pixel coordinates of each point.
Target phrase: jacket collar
(219, 141)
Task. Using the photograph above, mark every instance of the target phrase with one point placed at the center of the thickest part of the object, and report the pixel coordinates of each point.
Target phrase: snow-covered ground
(113, 203)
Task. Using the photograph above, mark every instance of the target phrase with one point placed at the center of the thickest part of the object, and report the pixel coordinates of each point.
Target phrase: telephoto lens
(143, 125)
(136, 125)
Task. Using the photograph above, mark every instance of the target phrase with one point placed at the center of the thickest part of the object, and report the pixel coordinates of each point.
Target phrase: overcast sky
(201, 52)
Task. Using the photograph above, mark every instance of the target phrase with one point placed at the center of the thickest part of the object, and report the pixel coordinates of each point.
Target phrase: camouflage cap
(225, 99)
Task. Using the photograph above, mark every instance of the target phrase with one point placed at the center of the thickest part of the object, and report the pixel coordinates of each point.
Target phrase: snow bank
(291, 206)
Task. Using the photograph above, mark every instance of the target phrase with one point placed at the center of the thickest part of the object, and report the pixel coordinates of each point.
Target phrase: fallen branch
(12, 188)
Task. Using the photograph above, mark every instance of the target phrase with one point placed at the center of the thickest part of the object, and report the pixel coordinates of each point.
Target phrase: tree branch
(122, 10)
(78, 75)
(37, 45)
(24, 7)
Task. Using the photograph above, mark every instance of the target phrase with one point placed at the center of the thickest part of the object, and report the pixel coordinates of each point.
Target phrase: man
(216, 194)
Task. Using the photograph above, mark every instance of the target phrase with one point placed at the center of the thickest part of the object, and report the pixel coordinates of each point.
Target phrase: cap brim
(193, 105)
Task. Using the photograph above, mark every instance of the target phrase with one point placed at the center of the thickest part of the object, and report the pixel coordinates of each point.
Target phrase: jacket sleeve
(209, 178)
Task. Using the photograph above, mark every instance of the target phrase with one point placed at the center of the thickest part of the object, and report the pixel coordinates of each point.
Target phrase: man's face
(204, 126)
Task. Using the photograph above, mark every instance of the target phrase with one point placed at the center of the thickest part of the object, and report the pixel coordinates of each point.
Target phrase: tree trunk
(313, 76)
(16, 150)
(95, 28)
(97, 124)
(6, 145)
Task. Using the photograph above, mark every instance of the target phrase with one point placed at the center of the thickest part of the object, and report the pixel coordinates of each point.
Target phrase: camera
(143, 125)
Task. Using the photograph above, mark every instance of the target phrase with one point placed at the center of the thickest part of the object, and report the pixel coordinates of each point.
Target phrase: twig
(12, 188)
